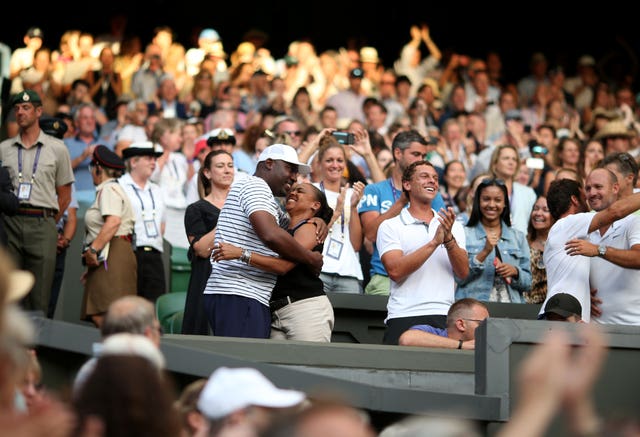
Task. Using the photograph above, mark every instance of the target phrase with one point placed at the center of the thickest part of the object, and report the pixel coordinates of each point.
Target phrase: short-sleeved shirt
(568, 274)
(76, 146)
(430, 289)
(110, 200)
(617, 286)
(431, 330)
(380, 197)
(148, 206)
(246, 196)
(52, 170)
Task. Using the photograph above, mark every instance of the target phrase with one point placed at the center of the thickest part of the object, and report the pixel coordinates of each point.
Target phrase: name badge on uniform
(335, 248)
(24, 190)
(150, 228)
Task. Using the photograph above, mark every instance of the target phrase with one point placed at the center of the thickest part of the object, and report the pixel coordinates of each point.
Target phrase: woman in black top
(200, 220)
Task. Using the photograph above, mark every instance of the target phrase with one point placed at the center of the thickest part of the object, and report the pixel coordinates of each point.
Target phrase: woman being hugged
(499, 266)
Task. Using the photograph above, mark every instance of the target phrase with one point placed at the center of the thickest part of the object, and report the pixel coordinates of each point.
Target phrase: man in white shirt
(421, 250)
(567, 273)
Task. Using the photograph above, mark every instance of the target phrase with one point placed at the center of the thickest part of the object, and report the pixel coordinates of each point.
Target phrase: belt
(277, 304)
(35, 211)
(128, 237)
(147, 249)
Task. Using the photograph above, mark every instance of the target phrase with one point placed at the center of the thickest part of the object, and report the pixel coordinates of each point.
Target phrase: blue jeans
(333, 283)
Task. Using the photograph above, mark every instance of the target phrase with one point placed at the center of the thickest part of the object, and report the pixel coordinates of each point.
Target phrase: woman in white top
(505, 164)
(341, 271)
(170, 174)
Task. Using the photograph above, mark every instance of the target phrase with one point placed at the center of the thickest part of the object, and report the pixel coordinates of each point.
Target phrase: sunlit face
(593, 153)
(221, 170)
(415, 152)
(540, 216)
(492, 202)
(384, 157)
(600, 190)
(424, 184)
(507, 164)
(143, 166)
(455, 176)
(285, 175)
(333, 163)
(301, 197)
(570, 154)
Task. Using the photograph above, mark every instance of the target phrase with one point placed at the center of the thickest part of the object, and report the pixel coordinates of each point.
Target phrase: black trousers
(151, 283)
(395, 327)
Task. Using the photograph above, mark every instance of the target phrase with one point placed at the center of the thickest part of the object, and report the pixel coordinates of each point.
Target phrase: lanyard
(396, 193)
(35, 162)
(153, 202)
(341, 213)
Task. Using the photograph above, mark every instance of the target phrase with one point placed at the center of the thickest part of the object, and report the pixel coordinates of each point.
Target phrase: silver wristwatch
(602, 250)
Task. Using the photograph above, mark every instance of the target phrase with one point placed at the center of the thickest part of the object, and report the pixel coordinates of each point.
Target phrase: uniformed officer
(147, 200)
(42, 176)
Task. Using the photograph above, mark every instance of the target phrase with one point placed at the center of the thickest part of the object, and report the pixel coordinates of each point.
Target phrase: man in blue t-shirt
(384, 200)
(464, 316)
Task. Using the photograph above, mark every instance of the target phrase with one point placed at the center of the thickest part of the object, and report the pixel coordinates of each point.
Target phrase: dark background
(515, 30)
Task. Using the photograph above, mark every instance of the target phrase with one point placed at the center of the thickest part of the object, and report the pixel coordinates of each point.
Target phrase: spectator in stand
(499, 264)
(134, 129)
(411, 63)
(463, 318)
(171, 175)
(145, 81)
(22, 57)
(81, 147)
(201, 218)
(105, 84)
(166, 101)
(384, 200)
(454, 179)
(419, 248)
(504, 165)
(341, 271)
(539, 225)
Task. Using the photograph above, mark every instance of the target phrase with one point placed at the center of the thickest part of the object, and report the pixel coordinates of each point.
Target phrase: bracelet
(245, 257)
(459, 344)
(445, 243)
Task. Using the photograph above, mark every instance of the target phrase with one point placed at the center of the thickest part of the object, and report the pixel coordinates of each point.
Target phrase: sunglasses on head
(492, 181)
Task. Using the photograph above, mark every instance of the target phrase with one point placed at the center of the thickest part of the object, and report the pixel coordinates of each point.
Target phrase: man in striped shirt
(237, 294)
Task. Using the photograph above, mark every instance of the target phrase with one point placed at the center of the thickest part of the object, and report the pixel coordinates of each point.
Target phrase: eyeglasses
(293, 133)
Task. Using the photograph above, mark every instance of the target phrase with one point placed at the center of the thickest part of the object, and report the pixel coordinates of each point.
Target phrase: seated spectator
(193, 422)
(242, 401)
(562, 307)
(463, 318)
(128, 314)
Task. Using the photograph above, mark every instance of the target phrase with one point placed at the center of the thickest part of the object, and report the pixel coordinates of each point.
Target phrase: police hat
(26, 96)
(142, 148)
(106, 158)
(221, 136)
(53, 126)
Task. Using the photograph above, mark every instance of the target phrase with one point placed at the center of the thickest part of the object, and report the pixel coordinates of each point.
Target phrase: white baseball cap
(284, 153)
(228, 390)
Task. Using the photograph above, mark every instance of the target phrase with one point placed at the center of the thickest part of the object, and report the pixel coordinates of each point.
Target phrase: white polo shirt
(430, 290)
(568, 274)
(617, 286)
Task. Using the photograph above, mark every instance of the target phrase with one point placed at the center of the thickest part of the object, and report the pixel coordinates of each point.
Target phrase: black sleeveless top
(299, 282)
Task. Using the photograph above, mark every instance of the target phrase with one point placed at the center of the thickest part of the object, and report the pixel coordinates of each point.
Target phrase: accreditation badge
(150, 228)
(24, 191)
(335, 248)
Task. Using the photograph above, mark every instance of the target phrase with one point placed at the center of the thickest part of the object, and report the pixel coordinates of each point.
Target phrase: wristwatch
(92, 250)
(602, 250)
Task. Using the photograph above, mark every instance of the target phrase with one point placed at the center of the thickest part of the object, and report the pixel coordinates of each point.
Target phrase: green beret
(27, 96)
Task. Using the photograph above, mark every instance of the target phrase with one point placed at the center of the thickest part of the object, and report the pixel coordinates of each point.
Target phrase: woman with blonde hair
(504, 165)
